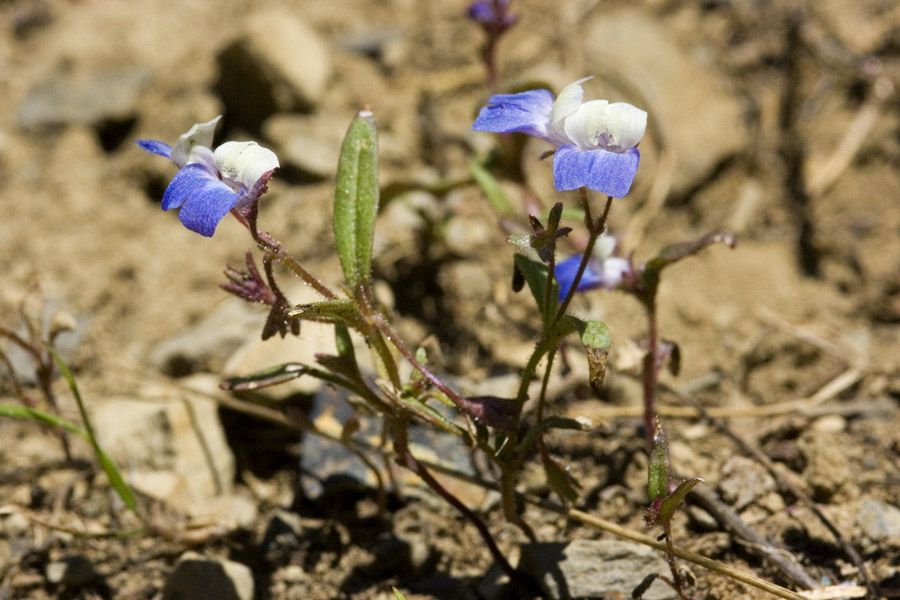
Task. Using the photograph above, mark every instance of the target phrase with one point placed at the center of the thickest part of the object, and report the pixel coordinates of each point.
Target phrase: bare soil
(790, 340)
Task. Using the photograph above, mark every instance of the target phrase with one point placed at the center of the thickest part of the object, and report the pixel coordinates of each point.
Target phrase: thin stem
(401, 447)
(544, 384)
(382, 325)
(594, 231)
(651, 373)
(270, 245)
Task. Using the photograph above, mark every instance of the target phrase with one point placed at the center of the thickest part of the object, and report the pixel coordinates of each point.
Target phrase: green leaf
(673, 501)
(339, 310)
(356, 199)
(491, 189)
(535, 274)
(24, 412)
(266, 378)
(429, 415)
(658, 470)
(397, 594)
(106, 463)
(554, 422)
(344, 345)
(559, 479)
(596, 340)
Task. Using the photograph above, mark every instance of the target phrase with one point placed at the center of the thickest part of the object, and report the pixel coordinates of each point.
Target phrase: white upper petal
(587, 125)
(190, 146)
(626, 125)
(244, 162)
(568, 101)
(599, 124)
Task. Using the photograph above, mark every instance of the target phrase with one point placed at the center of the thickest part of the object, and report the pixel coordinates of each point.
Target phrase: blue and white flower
(604, 270)
(211, 183)
(595, 141)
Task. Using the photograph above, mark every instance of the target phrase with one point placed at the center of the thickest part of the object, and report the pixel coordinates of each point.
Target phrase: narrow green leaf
(658, 476)
(641, 589)
(673, 501)
(429, 415)
(106, 463)
(535, 274)
(559, 479)
(555, 422)
(344, 345)
(397, 594)
(265, 378)
(339, 310)
(356, 199)
(491, 189)
(24, 412)
(422, 358)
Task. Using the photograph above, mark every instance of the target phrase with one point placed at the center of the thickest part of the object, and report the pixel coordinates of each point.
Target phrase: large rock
(308, 143)
(704, 122)
(173, 450)
(594, 569)
(198, 577)
(95, 99)
(281, 59)
(207, 345)
(879, 521)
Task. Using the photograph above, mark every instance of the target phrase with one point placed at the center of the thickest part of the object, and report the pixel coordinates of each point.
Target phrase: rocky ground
(777, 120)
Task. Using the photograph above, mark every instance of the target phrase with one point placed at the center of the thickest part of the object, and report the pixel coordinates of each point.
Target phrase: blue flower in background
(603, 269)
(595, 141)
(492, 14)
(210, 183)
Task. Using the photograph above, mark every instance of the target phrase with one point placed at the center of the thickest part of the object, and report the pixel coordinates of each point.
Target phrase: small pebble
(71, 572)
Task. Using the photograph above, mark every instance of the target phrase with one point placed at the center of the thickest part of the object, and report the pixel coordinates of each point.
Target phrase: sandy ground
(776, 120)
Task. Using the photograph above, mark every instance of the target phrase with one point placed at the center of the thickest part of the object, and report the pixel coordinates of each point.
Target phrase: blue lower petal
(610, 173)
(204, 209)
(527, 112)
(567, 269)
(154, 147)
(203, 199)
(188, 180)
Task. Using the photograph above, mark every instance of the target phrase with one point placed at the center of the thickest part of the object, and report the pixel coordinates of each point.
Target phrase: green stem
(650, 372)
(594, 231)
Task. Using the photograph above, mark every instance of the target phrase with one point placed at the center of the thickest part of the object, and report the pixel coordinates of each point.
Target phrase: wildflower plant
(595, 150)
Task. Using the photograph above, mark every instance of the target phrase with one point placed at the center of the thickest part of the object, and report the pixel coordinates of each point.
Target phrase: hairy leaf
(356, 199)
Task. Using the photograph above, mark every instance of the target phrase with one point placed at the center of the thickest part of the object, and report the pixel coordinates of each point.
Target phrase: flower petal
(189, 144)
(186, 181)
(604, 247)
(244, 162)
(598, 274)
(587, 126)
(614, 269)
(568, 101)
(608, 172)
(203, 199)
(565, 275)
(154, 147)
(626, 125)
(481, 11)
(203, 210)
(598, 124)
(527, 112)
